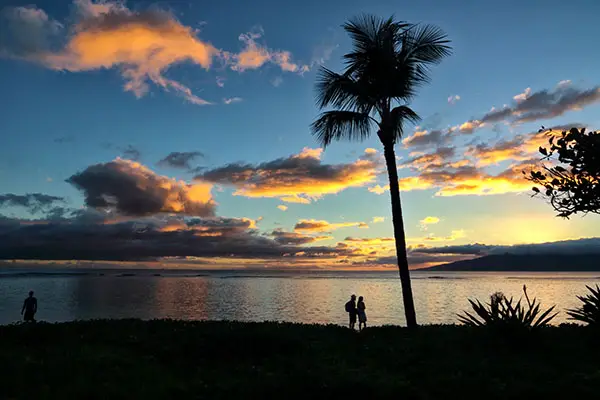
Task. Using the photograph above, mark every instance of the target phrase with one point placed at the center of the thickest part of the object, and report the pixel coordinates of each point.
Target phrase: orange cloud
(462, 178)
(519, 148)
(141, 44)
(255, 55)
(300, 178)
(312, 225)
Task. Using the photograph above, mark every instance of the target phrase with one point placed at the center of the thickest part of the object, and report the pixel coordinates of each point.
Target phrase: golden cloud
(300, 178)
(282, 207)
(313, 225)
(429, 220)
(378, 219)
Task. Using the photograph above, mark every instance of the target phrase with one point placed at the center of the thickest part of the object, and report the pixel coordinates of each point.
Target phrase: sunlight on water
(296, 297)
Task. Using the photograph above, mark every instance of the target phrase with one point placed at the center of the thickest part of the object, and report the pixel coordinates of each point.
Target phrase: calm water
(315, 297)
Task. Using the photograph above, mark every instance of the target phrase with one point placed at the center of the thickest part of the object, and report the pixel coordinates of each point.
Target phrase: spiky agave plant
(589, 311)
(502, 312)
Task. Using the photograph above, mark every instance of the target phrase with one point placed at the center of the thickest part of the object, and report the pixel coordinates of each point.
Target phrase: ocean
(307, 297)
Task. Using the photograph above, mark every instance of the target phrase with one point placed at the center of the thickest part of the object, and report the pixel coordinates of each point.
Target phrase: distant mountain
(525, 262)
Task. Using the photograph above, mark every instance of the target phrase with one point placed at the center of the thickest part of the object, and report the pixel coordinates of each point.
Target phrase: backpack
(348, 306)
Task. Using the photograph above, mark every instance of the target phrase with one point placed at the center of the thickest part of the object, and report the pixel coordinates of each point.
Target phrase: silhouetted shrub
(589, 311)
(501, 313)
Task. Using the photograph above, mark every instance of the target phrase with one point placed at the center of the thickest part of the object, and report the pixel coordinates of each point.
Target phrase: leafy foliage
(501, 312)
(589, 311)
(575, 187)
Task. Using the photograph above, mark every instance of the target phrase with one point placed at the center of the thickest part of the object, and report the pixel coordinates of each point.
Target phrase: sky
(180, 131)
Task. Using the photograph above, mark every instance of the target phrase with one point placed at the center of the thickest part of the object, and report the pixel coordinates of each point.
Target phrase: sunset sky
(181, 128)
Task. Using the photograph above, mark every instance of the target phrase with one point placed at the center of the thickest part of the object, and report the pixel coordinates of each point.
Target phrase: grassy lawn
(168, 359)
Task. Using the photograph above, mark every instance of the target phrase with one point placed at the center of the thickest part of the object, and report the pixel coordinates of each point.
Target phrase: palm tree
(389, 61)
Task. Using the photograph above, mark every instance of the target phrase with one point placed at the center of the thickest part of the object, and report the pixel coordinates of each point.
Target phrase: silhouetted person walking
(351, 310)
(29, 308)
(362, 315)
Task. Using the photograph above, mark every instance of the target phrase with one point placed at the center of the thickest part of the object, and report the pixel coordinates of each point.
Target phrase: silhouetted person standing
(29, 308)
(362, 315)
(351, 310)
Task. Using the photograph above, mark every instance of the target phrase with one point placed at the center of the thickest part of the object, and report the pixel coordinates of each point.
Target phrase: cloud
(456, 234)
(440, 156)
(519, 148)
(255, 55)
(469, 180)
(545, 104)
(312, 225)
(232, 100)
(277, 81)
(27, 30)
(131, 153)
(300, 178)
(295, 238)
(464, 178)
(181, 160)
(282, 207)
(470, 126)
(378, 219)
(378, 189)
(152, 238)
(133, 189)
(33, 202)
(220, 81)
(141, 44)
(453, 99)
(428, 221)
(64, 139)
(427, 138)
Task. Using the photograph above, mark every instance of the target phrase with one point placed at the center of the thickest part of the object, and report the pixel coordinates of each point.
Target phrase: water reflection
(310, 298)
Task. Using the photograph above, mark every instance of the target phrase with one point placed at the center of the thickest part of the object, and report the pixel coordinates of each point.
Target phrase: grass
(212, 360)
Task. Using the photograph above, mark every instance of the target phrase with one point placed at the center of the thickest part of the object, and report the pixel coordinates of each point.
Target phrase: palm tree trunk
(400, 236)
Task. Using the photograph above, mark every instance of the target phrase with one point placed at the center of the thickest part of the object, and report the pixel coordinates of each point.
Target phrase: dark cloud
(544, 104)
(497, 115)
(131, 153)
(27, 31)
(143, 239)
(425, 138)
(33, 202)
(180, 160)
(440, 156)
(132, 189)
(299, 178)
(64, 139)
(295, 238)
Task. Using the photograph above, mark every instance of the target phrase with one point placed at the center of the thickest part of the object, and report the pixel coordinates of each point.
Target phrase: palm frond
(341, 91)
(398, 116)
(338, 125)
(422, 46)
(367, 30)
(426, 44)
